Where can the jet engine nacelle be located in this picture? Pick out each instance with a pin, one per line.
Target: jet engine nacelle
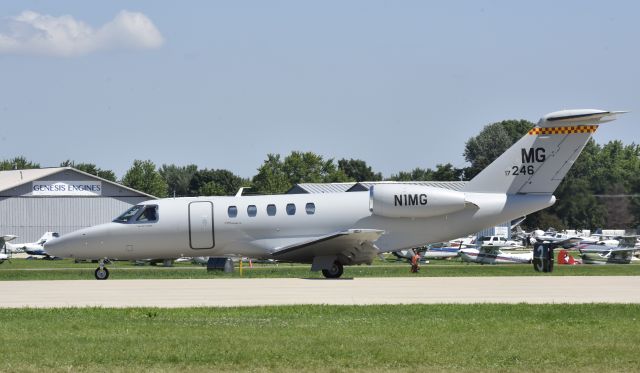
(413, 201)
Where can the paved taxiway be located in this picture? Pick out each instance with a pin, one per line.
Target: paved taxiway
(253, 292)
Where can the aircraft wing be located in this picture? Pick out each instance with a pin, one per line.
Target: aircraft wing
(623, 249)
(564, 242)
(353, 246)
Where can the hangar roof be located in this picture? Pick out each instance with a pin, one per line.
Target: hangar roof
(314, 188)
(365, 185)
(13, 178)
(451, 185)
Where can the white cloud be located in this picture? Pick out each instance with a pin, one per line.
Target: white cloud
(64, 36)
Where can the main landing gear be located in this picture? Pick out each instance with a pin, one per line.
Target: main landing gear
(335, 271)
(101, 273)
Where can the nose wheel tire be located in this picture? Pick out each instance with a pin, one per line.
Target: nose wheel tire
(101, 273)
(334, 272)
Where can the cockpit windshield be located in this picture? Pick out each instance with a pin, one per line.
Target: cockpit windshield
(128, 215)
(148, 215)
(139, 214)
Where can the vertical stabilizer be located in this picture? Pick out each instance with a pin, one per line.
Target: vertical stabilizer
(538, 162)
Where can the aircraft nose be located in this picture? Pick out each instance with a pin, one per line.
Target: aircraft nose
(78, 244)
(61, 246)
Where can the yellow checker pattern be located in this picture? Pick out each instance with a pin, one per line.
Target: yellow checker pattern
(562, 130)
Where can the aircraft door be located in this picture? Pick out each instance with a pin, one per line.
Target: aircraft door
(201, 225)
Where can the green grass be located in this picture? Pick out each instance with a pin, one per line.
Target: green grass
(490, 337)
(20, 269)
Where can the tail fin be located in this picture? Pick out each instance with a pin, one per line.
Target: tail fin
(47, 236)
(538, 162)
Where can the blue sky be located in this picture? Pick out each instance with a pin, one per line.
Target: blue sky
(220, 84)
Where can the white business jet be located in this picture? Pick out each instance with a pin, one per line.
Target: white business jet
(34, 249)
(336, 229)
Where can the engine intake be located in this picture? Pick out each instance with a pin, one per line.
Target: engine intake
(413, 201)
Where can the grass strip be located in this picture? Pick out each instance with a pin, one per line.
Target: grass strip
(67, 270)
(480, 337)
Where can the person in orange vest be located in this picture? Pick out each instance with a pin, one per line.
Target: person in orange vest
(415, 259)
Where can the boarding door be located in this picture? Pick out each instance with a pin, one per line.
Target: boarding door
(201, 225)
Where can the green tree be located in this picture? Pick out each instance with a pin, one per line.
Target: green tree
(90, 168)
(493, 140)
(635, 204)
(308, 167)
(215, 183)
(358, 170)
(417, 174)
(271, 178)
(617, 179)
(144, 177)
(543, 220)
(577, 206)
(178, 178)
(17, 163)
(446, 172)
(211, 188)
(618, 207)
(278, 176)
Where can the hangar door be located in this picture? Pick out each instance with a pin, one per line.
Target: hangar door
(201, 225)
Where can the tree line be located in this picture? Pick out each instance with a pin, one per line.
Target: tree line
(602, 189)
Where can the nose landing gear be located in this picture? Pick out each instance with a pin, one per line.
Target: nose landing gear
(101, 273)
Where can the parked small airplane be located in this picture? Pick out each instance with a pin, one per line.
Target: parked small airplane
(34, 248)
(598, 238)
(460, 242)
(565, 240)
(430, 252)
(609, 254)
(498, 241)
(4, 252)
(494, 255)
(331, 230)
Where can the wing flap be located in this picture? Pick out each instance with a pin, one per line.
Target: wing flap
(353, 246)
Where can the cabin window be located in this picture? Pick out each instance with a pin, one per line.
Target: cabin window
(310, 208)
(291, 209)
(252, 210)
(232, 211)
(148, 215)
(271, 210)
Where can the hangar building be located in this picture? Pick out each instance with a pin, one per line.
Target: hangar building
(60, 199)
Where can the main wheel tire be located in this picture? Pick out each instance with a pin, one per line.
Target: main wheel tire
(101, 273)
(335, 271)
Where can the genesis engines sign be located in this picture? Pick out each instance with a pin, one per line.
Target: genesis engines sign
(66, 188)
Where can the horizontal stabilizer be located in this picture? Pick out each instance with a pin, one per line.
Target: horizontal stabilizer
(578, 117)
